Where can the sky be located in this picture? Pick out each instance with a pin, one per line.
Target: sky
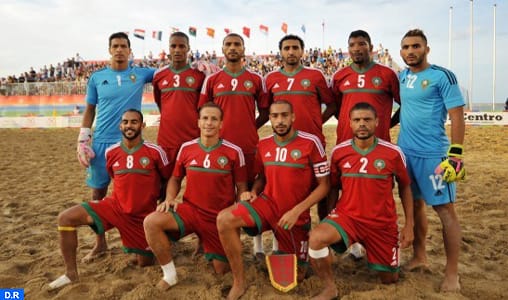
(42, 32)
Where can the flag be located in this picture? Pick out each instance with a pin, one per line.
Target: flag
(192, 31)
(210, 32)
(304, 30)
(246, 31)
(139, 33)
(284, 28)
(174, 29)
(227, 30)
(157, 34)
(263, 29)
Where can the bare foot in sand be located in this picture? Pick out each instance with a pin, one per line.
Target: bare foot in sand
(94, 254)
(163, 285)
(330, 292)
(415, 265)
(450, 285)
(235, 293)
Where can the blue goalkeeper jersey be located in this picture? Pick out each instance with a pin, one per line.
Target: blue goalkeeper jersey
(113, 92)
(426, 97)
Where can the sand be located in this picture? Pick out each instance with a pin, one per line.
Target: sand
(41, 177)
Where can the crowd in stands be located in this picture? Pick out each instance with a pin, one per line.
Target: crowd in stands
(70, 77)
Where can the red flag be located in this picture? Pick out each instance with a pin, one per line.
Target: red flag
(263, 29)
(246, 32)
(227, 30)
(284, 28)
(139, 33)
(210, 32)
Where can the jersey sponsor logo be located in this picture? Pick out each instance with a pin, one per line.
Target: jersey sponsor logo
(296, 154)
(116, 164)
(305, 83)
(220, 86)
(248, 84)
(347, 83)
(190, 80)
(379, 164)
(165, 82)
(268, 154)
(222, 161)
(193, 162)
(376, 81)
(425, 83)
(276, 86)
(347, 165)
(105, 82)
(132, 77)
(144, 161)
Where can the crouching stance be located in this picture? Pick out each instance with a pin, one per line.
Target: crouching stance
(214, 168)
(136, 168)
(365, 167)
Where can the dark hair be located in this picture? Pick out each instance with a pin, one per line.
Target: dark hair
(180, 34)
(363, 106)
(211, 105)
(119, 35)
(286, 102)
(135, 111)
(360, 33)
(233, 35)
(415, 33)
(291, 37)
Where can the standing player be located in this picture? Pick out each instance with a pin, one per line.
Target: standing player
(364, 81)
(289, 164)
(176, 90)
(112, 90)
(429, 93)
(366, 212)
(305, 88)
(214, 168)
(137, 168)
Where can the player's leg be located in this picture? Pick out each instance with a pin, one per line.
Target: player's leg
(157, 225)
(229, 221)
(320, 238)
(68, 220)
(451, 237)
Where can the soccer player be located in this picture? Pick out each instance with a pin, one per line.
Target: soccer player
(429, 93)
(238, 91)
(213, 168)
(288, 165)
(137, 168)
(305, 88)
(365, 212)
(364, 81)
(176, 89)
(113, 90)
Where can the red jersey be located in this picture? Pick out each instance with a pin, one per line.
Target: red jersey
(137, 175)
(291, 168)
(237, 95)
(367, 180)
(211, 174)
(177, 94)
(306, 89)
(378, 86)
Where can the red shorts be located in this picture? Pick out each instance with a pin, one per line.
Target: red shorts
(190, 219)
(381, 244)
(107, 215)
(262, 215)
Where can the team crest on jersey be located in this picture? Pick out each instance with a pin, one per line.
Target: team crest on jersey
(222, 161)
(132, 77)
(248, 84)
(379, 164)
(190, 80)
(305, 83)
(296, 154)
(376, 81)
(144, 161)
(425, 83)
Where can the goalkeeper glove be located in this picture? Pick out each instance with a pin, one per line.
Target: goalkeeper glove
(84, 151)
(452, 169)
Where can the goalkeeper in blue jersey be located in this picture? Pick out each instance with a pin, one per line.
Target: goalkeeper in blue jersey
(110, 92)
(428, 94)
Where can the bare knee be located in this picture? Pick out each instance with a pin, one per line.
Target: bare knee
(153, 221)
(224, 220)
(318, 238)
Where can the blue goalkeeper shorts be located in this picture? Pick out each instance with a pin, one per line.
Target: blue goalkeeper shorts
(425, 184)
(97, 176)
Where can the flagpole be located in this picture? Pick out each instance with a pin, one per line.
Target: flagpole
(471, 59)
(494, 62)
(450, 38)
(323, 37)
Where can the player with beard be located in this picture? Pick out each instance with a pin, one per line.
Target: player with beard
(136, 168)
(288, 165)
(366, 211)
